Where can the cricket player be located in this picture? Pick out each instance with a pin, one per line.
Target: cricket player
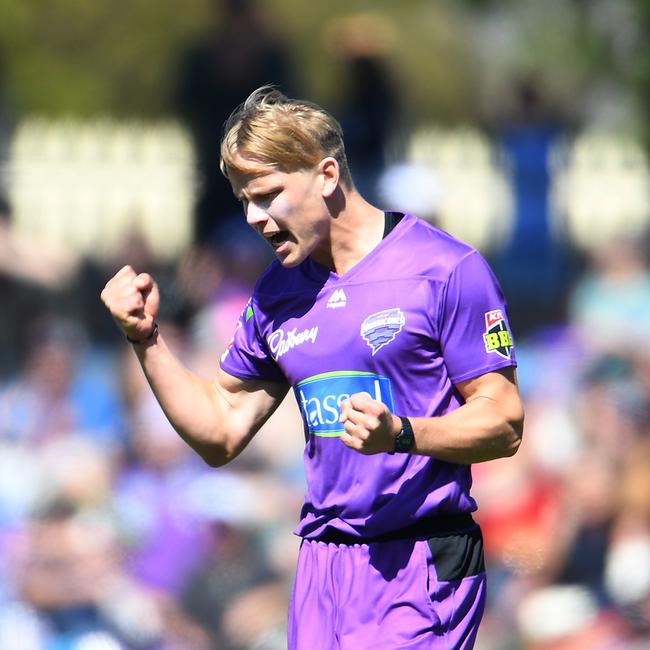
(394, 337)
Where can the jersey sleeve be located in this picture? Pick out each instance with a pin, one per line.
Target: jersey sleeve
(475, 335)
(247, 355)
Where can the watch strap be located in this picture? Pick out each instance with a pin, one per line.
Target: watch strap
(405, 439)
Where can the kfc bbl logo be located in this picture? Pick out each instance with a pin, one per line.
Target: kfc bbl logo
(497, 337)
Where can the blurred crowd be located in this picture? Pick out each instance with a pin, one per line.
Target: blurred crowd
(113, 533)
(115, 536)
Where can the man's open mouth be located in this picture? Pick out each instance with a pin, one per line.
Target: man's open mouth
(278, 238)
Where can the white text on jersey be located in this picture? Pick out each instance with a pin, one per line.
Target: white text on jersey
(280, 343)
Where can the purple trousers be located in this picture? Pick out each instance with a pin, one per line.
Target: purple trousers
(388, 595)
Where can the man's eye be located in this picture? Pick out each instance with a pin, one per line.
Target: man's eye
(269, 196)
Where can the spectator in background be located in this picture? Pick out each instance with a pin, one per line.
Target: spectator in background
(33, 274)
(62, 567)
(59, 390)
(610, 304)
(239, 53)
(369, 107)
(235, 573)
(533, 257)
(5, 129)
(166, 539)
(627, 568)
(68, 573)
(34, 278)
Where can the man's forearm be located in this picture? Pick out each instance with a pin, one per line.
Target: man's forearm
(192, 404)
(480, 430)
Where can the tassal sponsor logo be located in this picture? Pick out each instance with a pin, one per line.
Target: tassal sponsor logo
(280, 342)
(320, 397)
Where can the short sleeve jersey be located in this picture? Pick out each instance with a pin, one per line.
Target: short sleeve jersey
(420, 313)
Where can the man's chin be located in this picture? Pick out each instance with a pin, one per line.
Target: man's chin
(290, 254)
(288, 261)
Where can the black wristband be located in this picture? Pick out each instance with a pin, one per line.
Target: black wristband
(404, 440)
(151, 337)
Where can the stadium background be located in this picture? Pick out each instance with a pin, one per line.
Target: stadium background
(519, 126)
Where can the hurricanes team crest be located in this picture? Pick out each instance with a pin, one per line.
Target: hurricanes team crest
(497, 337)
(381, 328)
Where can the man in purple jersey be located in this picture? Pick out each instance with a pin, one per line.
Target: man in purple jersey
(395, 340)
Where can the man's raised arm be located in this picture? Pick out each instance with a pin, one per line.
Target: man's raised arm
(216, 418)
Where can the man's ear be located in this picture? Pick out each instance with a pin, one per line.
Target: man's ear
(328, 169)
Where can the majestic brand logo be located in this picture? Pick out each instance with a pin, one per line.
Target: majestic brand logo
(381, 328)
(337, 299)
(280, 342)
(497, 338)
(320, 397)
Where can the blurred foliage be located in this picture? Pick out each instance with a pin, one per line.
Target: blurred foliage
(426, 50)
(642, 68)
(79, 57)
(454, 61)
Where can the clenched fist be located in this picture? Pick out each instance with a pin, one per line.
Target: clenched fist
(370, 428)
(133, 300)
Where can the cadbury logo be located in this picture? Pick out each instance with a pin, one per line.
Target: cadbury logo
(281, 342)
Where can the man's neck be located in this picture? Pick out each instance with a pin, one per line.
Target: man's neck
(355, 231)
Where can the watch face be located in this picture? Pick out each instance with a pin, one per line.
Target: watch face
(404, 443)
(405, 439)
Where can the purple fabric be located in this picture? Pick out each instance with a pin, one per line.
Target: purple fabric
(421, 312)
(383, 596)
(171, 541)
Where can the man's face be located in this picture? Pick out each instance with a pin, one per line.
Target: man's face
(288, 209)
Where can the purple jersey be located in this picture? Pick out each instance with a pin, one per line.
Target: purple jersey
(421, 312)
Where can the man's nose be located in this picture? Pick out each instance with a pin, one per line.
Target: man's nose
(255, 216)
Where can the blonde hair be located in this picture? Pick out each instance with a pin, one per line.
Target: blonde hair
(282, 133)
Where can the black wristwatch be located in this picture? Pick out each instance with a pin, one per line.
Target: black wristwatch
(404, 440)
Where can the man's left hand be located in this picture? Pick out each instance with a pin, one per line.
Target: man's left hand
(370, 428)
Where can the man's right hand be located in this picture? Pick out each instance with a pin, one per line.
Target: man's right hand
(133, 300)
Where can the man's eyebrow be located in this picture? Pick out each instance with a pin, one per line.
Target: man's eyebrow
(240, 194)
(273, 188)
